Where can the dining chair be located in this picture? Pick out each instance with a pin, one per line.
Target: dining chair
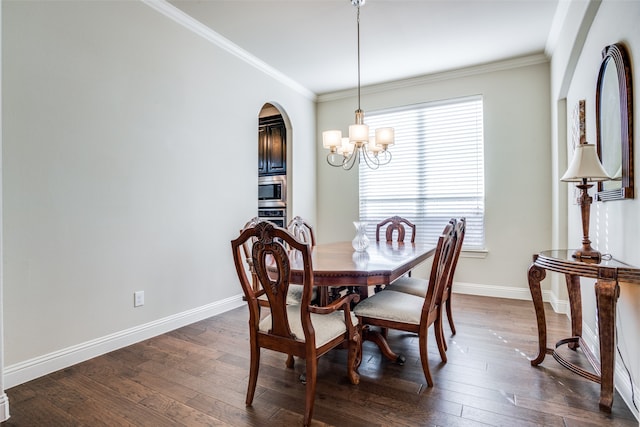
(401, 311)
(300, 330)
(303, 231)
(418, 287)
(396, 225)
(294, 296)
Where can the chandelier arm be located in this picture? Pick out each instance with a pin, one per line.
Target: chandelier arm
(386, 154)
(349, 162)
(330, 163)
(371, 160)
(331, 156)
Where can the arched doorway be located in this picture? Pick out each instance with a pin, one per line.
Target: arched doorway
(272, 165)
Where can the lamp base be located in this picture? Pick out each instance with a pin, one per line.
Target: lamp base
(587, 255)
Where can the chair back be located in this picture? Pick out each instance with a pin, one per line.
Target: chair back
(397, 224)
(440, 269)
(302, 230)
(461, 227)
(246, 250)
(270, 248)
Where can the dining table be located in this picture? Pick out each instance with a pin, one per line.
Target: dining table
(337, 264)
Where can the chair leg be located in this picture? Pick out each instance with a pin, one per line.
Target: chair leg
(254, 366)
(439, 332)
(424, 359)
(450, 316)
(354, 356)
(290, 362)
(312, 371)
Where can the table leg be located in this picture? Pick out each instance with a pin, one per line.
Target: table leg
(377, 338)
(607, 292)
(536, 275)
(575, 304)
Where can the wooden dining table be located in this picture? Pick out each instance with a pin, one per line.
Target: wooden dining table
(337, 264)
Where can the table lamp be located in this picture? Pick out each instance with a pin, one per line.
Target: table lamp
(585, 168)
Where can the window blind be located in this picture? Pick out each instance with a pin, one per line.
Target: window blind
(437, 169)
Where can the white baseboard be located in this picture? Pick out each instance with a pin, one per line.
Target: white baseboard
(4, 407)
(508, 292)
(28, 370)
(620, 376)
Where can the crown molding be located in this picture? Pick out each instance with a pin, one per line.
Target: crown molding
(507, 64)
(188, 22)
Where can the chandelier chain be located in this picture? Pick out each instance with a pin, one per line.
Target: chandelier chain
(358, 28)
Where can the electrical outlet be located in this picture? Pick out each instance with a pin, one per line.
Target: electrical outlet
(138, 298)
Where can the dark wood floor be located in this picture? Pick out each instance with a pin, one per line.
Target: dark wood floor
(197, 375)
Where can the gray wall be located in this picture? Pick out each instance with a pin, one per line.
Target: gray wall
(130, 162)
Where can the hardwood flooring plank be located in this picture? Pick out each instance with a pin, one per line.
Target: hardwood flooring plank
(575, 413)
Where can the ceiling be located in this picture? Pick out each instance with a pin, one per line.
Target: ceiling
(314, 42)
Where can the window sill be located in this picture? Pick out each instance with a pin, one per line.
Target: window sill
(474, 253)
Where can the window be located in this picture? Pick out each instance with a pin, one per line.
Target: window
(437, 169)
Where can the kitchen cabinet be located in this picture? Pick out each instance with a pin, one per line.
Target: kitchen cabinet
(272, 146)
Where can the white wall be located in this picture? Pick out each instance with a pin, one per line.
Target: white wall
(130, 162)
(614, 225)
(517, 168)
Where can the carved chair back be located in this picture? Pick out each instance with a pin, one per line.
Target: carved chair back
(302, 230)
(396, 225)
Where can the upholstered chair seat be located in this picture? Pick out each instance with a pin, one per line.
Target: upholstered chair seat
(327, 326)
(392, 306)
(410, 285)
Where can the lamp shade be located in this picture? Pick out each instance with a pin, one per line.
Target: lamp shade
(385, 136)
(359, 133)
(346, 147)
(585, 165)
(331, 138)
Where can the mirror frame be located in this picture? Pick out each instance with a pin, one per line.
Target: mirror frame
(616, 55)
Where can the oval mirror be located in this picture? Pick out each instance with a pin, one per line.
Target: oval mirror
(614, 123)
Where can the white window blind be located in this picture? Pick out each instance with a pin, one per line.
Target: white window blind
(436, 173)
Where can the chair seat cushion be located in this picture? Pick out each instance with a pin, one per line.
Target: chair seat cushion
(393, 306)
(410, 285)
(326, 326)
(294, 296)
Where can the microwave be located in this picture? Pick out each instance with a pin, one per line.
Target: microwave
(272, 191)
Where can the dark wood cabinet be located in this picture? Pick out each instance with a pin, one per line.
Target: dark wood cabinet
(272, 146)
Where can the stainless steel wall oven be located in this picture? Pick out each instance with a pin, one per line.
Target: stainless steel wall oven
(272, 191)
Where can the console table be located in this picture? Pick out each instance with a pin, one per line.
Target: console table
(607, 274)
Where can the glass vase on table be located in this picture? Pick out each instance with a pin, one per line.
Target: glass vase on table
(360, 242)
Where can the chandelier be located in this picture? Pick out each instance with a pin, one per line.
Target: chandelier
(359, 146)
